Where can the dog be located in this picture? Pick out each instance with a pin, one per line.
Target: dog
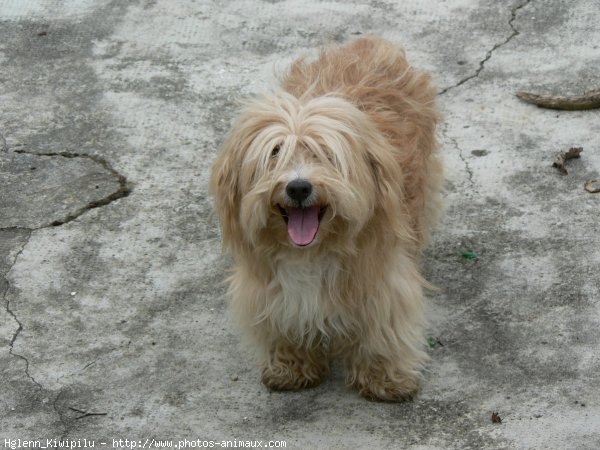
(326, 189)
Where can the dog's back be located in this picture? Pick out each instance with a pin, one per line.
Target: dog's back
(374, 75)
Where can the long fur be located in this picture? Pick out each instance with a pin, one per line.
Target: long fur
(358, 123)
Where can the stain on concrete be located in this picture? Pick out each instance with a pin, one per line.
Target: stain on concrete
(54, 90)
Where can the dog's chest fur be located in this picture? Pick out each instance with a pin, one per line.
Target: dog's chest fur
(303, 299)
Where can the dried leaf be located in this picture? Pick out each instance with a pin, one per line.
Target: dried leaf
(559, 162)
(592, 186)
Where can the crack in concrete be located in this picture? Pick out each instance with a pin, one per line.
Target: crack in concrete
(15, 335)
(488, 55)
(64, 422)
(462, 157)
(465, 162)
(123, 191)
(13, 228)
(18, 331)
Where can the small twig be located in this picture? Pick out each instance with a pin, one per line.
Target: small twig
(77, 410)
(90, 414)
(589, 100)
(85, 413)
(561, 159)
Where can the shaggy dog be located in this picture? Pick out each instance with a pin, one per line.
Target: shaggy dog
(326, 189)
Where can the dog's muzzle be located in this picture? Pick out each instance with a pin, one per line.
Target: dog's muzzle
(302, 220)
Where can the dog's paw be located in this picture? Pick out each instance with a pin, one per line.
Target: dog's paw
(285, 378)
(383, 389)
(290, 367)
(389, 392)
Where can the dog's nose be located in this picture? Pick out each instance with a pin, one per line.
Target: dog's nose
(299, 189)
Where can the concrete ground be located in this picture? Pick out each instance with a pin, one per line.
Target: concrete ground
(114, 324)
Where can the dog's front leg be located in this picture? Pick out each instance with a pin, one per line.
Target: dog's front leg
(291, 366)
(286, 364)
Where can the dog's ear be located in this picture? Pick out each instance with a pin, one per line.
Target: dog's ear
(227, 182)
(388, 178)
(225, 189)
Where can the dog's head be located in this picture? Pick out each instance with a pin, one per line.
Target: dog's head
(303, 174)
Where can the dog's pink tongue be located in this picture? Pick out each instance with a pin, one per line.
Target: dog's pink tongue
(303, 224)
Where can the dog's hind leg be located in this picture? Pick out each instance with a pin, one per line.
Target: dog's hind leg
(385, 360)
(380, 377)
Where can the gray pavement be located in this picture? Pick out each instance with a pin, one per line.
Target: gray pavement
(113, 321)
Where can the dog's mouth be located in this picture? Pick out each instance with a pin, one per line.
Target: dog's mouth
(302, 223)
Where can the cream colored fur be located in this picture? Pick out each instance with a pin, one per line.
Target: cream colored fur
(358, 123)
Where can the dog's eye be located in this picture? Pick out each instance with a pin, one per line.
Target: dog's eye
(275, 150)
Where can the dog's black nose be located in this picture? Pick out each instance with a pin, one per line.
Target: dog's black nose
(299, 189)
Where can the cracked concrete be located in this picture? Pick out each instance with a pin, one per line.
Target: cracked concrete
(113, 295)
(462, 157)
(45, 191)
(15, 335)
(489, 53)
